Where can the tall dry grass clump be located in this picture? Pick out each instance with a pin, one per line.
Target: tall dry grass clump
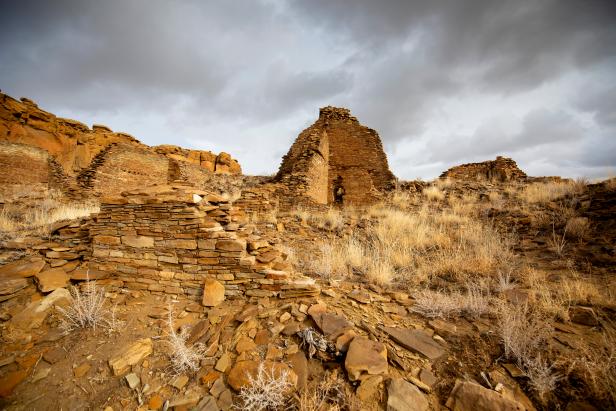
(545, 192)
(434, 193)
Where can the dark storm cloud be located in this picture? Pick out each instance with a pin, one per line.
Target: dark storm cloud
(249, 75)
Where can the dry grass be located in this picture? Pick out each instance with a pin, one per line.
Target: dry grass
(434, 193)
(331, 262)
(597, 367)
(380, 272)
(326, 394)
(558, 242)
(550, 191)
(524, 335)
(17, 219)
(332, 219)
(441, 304)
(578, 227)
(415, 247)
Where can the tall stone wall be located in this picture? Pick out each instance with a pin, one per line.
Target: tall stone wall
(25, 169)
(170, 239)
(336, 152)
(123, 167)
(501, 169)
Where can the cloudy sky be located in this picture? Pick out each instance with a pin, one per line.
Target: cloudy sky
(443, 82)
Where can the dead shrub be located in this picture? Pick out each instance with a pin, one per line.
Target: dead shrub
(184, 358)
(268, 390)
(88, 309)
(325, 394)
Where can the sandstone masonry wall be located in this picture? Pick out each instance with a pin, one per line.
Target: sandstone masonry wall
(170, 239)
(501, 169)
(79, 150)
(336, 150)
(26, 169)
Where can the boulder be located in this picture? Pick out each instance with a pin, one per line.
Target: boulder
(213, 293)
(583, 315)
(365, 357)
(468, 396)
(404, 396)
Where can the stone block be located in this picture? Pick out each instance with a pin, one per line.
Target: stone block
(138, 241)
(231, 245)
(182, 243)
(106, 239)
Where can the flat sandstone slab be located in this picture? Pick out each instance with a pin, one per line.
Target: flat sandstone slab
(130, 356)
(417, 341)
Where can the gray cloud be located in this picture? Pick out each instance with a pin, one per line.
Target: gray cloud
(247, 76)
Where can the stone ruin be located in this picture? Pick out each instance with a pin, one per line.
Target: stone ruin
(502, 169)
(80, 161)
(171, 239)
(336, 161)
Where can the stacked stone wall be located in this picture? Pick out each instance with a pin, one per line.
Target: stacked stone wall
(171, 240)
(125, 167)
(501, 169)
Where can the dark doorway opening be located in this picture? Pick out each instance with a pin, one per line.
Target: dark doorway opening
(338, 190)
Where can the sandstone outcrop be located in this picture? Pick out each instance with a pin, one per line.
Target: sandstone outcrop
(37, 147)
(501, 169)
(336, 160)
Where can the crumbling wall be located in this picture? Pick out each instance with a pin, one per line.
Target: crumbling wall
(170, 239)
(27, 170)
(74, 145)
(336, 152)
(222, 163)
(501, 169)
(122, 167)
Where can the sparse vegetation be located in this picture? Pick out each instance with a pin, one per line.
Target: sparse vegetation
(87, 309)
(36, 217)
(325, 394)
(434, 193)
(268, 390)
(184, 358)
(549, 191)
